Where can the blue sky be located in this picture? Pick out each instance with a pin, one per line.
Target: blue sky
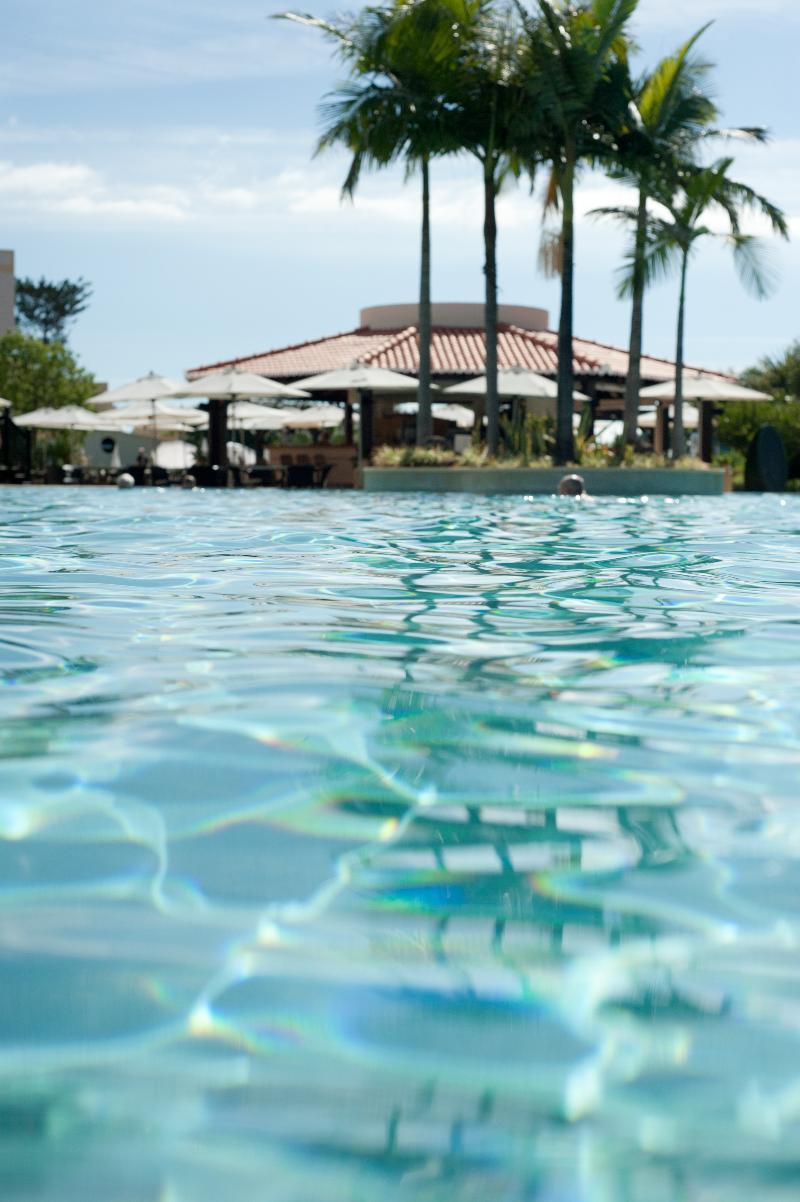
(163, 151)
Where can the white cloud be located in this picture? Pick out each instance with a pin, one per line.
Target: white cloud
(270, 187)
(76, 190)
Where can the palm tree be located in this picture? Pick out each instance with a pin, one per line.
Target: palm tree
(579, 94)
(671, 119)
(391, 110)
(485, 96)
(691, 201)
(670, 112)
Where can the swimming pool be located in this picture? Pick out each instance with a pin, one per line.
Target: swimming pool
(373, 848)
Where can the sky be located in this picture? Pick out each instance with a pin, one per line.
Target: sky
(163, 150)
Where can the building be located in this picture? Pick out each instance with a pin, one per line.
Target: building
(387, 336)
(7, 291)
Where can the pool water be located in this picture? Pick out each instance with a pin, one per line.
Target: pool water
(398, 849)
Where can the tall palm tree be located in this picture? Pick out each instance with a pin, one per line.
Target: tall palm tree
(672, 117)
(391, 110)
(670, 112)
(691, 201)
(580, 89)
(485, 97)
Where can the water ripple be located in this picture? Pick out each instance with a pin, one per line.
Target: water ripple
(414, 848)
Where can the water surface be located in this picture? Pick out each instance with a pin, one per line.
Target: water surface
(398, 849)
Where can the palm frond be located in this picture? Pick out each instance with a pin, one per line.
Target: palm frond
(754, 267)
(551, 253)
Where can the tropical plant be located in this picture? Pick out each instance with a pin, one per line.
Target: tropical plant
(779, 376)
(391, 110)
(579, 91)
(45, 308)
(34, 373)
(669, 115)
(488, 99)
(672, 116)
(692, 200)
(740, 421)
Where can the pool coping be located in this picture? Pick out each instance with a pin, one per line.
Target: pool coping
(542, 481)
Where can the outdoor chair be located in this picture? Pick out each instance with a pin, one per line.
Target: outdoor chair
(300, 475)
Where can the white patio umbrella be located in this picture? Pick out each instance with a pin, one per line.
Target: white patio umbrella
(245, 415)
(361, 378)
(233, 385)
(700, 388)
(313, 417)
(463, 417)
(68, 417)
(151, 387)
(513, 382)
(4, 404)
(691, 418)
(156, 412)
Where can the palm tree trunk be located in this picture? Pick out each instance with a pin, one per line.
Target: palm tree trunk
(633, 383)
(490, 309)
(565, 450)
(678, 436)
(424, 413)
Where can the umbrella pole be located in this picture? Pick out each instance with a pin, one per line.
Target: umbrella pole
(661, 436)
(154, 456)
(218, 433)
(706, 430)
(365, 429)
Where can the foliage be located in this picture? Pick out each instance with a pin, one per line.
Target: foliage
(740, 421)
(53, 448)
(45, 308)
(692, 201)
(529, 437)
(603, 457)
(414, 457)
(779, 376)
(35, 373)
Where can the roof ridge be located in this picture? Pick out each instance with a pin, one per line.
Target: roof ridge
(395, 337)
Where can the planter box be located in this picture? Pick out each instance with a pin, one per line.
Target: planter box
(543, 481)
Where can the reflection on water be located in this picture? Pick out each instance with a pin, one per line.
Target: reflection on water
(414, 850)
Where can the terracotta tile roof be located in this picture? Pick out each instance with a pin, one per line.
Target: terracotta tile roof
(454, 352)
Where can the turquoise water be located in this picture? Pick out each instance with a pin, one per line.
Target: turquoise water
(382, 849)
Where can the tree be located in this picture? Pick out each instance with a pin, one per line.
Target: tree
(580, 90)
(391, 109)
(496, 125)
(672, 117)
(45, 308)
(691, 200)
(34, 373)
(670, 114)
(779, 376)
(489, 102)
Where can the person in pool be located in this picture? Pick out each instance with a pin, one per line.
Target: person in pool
(572, 486)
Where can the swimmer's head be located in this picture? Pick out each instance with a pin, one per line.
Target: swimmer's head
(572, 486)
